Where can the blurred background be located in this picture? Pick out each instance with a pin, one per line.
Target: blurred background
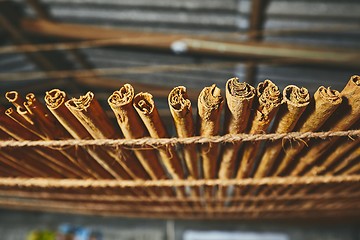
(98, 45)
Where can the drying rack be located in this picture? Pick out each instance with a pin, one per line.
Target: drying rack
(265, 198)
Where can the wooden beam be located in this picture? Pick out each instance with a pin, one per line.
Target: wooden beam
(40, 9)
(43, 13)
(19, 39)
(298, 54)
(114, 84)
(257, 18)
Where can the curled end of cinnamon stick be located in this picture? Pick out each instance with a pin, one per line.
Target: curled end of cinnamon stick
(9, 111)
(298, 97)
(269, 96)
(122, 97)
(240, 89)
(210, 97)
(20, 115)
(15, 98)
(30, 97)
(179, 101)
(82, 103)
(30, 100)
(330, 95)
(55, 98)
(12, 96)
(355, 79)
(21, 110)
(144, 103)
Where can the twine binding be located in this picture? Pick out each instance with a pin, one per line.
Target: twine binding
(85, 183)
(156, 142)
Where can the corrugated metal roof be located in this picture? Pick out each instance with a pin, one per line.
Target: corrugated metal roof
(318, 23)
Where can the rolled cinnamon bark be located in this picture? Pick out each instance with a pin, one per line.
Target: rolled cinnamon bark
(20, 160)
(181, 111)
(145, 107)
(17, 164)
(239, 99)
(43, 160)
(346, 115)
(351, 163)
(105, 163)
(91, 115)
(55, 102)
(121, 102)
(64, 163)
(15, 98)
(9, 169)
(267, 104)
(66, 158)
(52, 129)
(210, 104)
(323, 104)
(47, 123)
(341, 157)
(295, 101)
(18, 117)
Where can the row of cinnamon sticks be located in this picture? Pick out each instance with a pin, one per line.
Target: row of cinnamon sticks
(247, 110)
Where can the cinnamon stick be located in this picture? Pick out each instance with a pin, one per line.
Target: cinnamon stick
(351, 163)
(210, 104)
(53, 130)
(21, 160)
(17, 132)
(145, 107)
(91, 115)
(5, 171)
(323, 104)
(15, 98)
(239, 99)
(267, 104)
(18, 117)
(344, 155)
(13, 164)
(121, 102)
(47, 123)
(55, 102)
(295, 101)
(26, 118)
(181, 111)
(347, 115)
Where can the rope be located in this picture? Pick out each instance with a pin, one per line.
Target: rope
(86, 183)
(229, 138)
(111, 197)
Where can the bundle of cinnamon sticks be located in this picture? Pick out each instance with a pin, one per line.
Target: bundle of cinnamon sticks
(241, 109)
